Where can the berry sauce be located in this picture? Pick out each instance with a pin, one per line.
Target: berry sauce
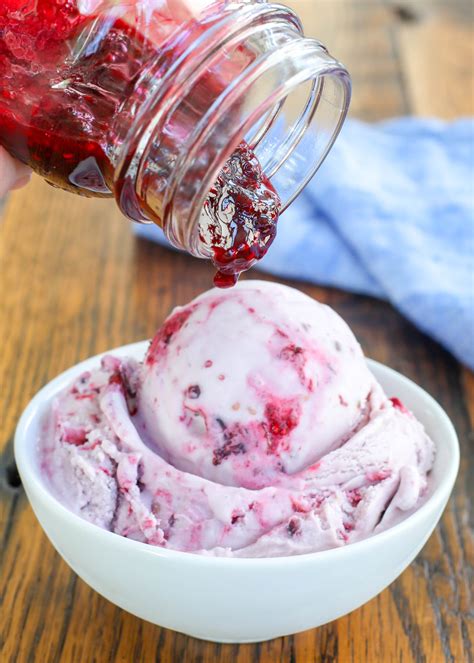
(61, 87)
(57, 101)
(239, 218)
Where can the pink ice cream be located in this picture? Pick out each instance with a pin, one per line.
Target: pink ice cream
(252, 428)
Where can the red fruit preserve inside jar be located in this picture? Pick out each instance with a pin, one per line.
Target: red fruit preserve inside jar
(205, 118)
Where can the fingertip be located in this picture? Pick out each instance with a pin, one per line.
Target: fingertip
(21, 181)
(13, 174)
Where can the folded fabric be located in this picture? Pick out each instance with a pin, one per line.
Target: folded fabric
(390, 214)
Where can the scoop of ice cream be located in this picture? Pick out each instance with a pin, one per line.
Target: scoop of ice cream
(247, 386)
(100, 466)
(253, 428)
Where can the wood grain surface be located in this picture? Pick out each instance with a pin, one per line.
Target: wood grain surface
(74, 282)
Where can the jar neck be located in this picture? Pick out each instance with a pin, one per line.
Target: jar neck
(245, 72)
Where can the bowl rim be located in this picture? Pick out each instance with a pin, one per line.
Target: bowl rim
(31, 477)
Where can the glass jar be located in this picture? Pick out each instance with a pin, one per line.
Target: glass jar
(207, 118)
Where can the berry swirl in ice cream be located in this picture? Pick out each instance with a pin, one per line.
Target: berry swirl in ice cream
(253, 428)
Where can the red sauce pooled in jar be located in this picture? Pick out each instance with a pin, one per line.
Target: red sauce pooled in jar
(58, 104)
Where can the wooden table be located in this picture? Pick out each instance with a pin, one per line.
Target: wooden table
(74, 282)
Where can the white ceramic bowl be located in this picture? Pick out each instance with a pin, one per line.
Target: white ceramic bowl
(237, 600)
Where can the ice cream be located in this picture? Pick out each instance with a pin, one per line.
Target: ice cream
(253, 427)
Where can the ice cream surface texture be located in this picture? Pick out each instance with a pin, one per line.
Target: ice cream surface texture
(252, 428)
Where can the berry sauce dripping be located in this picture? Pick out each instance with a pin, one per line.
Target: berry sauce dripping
(58, 102)
(240, 215)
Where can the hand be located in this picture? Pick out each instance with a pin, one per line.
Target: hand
(13, 174)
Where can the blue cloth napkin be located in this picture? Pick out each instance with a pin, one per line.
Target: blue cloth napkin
(390, 214)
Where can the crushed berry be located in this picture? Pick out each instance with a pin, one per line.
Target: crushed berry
(354, 497)
(298, 507)
(166, 332)
(194, 391)
(290, 352)
(120, 378)
(281, 422)
(396, 402)
(232, 446)
(75, 436)
(221, 423)
(91, 447)
(281, 419)
(296, 356)
(293, 527)
(229, 449)
(116, 378)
